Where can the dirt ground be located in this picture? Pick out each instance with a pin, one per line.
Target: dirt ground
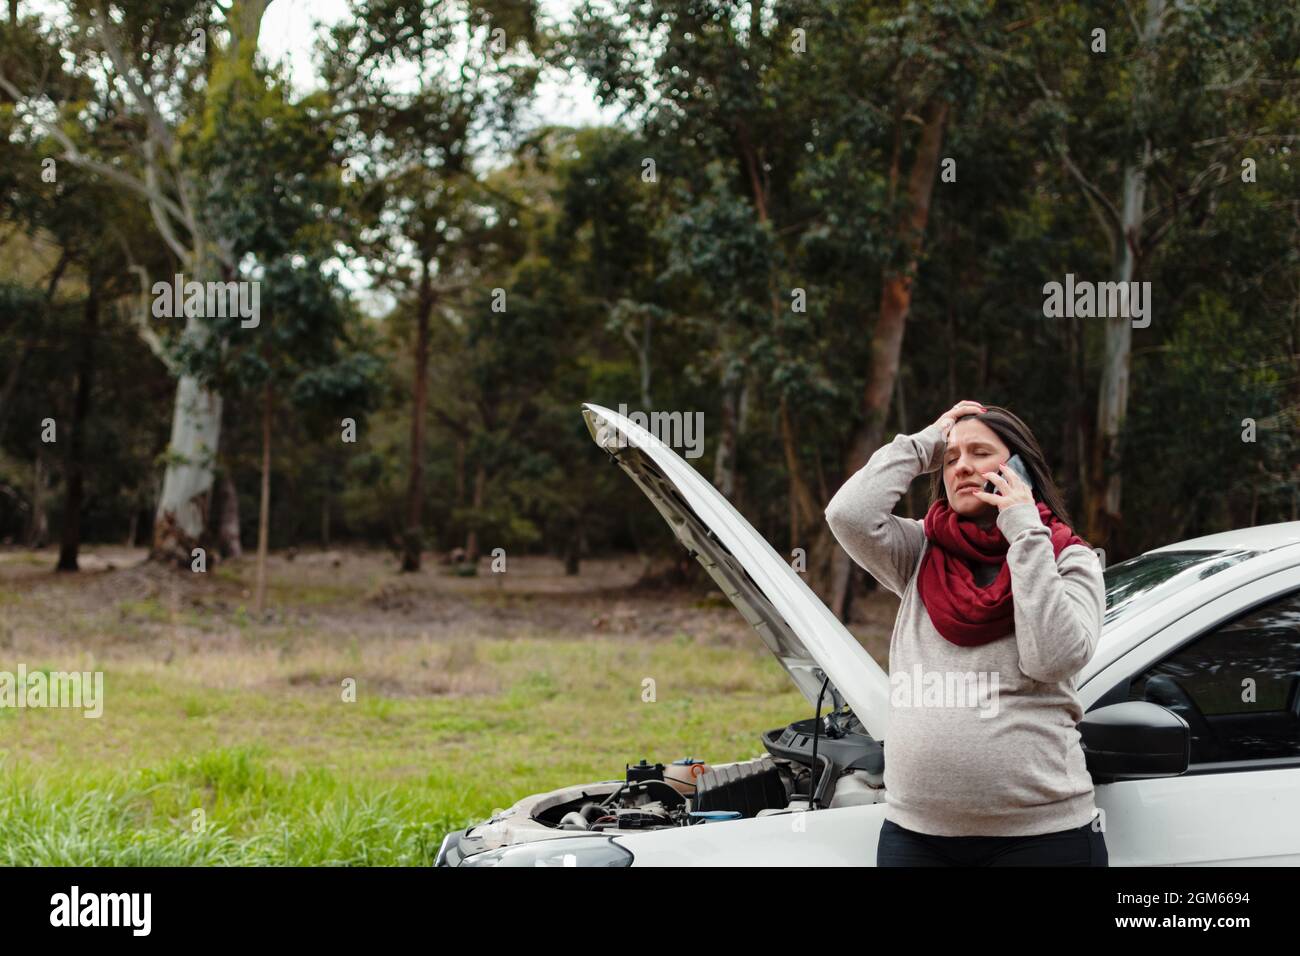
(121, 608)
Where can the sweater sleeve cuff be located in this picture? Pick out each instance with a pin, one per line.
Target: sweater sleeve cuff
(1018, 518)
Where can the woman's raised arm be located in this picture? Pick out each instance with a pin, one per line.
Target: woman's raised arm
(860, 514)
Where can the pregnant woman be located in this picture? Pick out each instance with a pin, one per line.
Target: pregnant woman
(999, 594)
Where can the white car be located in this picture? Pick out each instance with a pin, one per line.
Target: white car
(1191, 733)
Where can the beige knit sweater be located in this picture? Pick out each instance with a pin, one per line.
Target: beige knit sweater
(982, 740)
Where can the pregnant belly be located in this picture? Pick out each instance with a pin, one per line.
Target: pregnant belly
(952, 759)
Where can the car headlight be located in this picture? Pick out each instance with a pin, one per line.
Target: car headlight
(559, 851)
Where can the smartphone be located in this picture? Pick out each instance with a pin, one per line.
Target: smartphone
(1018, 466)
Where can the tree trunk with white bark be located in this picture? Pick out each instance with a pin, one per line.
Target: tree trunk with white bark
(187, 484)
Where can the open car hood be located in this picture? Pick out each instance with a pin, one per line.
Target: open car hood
(808, 640)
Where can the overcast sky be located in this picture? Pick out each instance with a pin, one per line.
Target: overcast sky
(288, 34)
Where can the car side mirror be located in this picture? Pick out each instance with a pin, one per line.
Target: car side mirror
(1133, 740)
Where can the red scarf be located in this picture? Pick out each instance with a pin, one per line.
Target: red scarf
(963, 612)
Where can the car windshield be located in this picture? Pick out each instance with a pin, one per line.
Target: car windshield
(1131, 583)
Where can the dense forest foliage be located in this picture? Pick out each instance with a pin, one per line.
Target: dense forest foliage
(817, 222)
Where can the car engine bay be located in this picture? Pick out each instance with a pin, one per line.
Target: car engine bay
(689, 792)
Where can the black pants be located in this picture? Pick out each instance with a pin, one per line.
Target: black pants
(1078, 846)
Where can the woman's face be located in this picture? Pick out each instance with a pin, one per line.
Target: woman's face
(973, 448)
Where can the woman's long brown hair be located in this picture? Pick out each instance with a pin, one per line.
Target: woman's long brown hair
(1016, 435)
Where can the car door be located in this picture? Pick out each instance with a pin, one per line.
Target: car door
(1231, 669)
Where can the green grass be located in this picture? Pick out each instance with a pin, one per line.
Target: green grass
(285, 772)
(222, 807)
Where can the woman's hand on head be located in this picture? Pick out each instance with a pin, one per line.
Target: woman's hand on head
(1013, 488)
(949, 418)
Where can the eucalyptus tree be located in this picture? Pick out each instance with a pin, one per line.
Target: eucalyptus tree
(84, 219)
(166, 73)
(1152, 111)
(421, 91)
(825, 122)
(303, 349)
